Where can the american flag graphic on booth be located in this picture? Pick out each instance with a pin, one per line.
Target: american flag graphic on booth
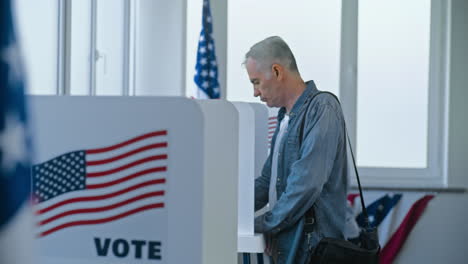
(272, 123)
(101, 185)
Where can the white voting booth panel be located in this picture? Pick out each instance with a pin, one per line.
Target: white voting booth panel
(246, 169)
(252, 154)
(134, 180)
(261, 138)
(220, 196)
(272, 124)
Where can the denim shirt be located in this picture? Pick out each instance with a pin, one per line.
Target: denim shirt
(312, 171)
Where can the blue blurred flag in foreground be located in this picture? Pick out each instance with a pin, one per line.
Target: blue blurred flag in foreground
(206, 76)
(15, 213)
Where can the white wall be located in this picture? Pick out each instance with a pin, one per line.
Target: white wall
(160, 58)
(219, 11)
(440, 234)
(194, 21)
(458, 108)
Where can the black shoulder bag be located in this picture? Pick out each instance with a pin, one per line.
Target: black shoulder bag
(364, 249)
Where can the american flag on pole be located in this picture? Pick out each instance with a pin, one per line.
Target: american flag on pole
(206, 76)
(394, 215)
(15, 212)
(101, 185)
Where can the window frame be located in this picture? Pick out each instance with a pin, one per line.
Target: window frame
(64, 42)
(434, 175)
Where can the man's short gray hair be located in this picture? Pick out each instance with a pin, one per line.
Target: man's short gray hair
(272, 50)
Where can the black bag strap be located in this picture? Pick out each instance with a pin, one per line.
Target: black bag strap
(301, 133)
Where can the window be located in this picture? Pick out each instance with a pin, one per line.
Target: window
(111, 53)
(400, 90)
(77, 47)
(393, 83)
(80, 50)
(38, 34)
(311, 28)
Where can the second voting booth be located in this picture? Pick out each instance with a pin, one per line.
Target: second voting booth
(145, 179)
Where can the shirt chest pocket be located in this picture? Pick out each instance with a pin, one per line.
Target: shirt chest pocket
(292, 146)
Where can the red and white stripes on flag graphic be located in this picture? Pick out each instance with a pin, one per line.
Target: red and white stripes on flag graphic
(272, 123)
(121, 180)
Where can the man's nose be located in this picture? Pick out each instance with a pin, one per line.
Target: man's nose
(256, 92)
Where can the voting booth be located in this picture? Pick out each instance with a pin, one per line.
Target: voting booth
(135, 180)
(253, 121)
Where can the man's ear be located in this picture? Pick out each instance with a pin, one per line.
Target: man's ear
(277, 71)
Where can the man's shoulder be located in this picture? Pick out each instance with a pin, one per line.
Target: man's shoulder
(325, 100)
(326, 97)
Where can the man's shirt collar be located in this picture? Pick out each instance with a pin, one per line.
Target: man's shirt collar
(308, 92)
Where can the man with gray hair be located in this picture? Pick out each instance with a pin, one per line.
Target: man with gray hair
(304, 180)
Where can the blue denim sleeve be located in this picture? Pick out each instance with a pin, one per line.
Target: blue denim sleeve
(262, 184)
(323, 132)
